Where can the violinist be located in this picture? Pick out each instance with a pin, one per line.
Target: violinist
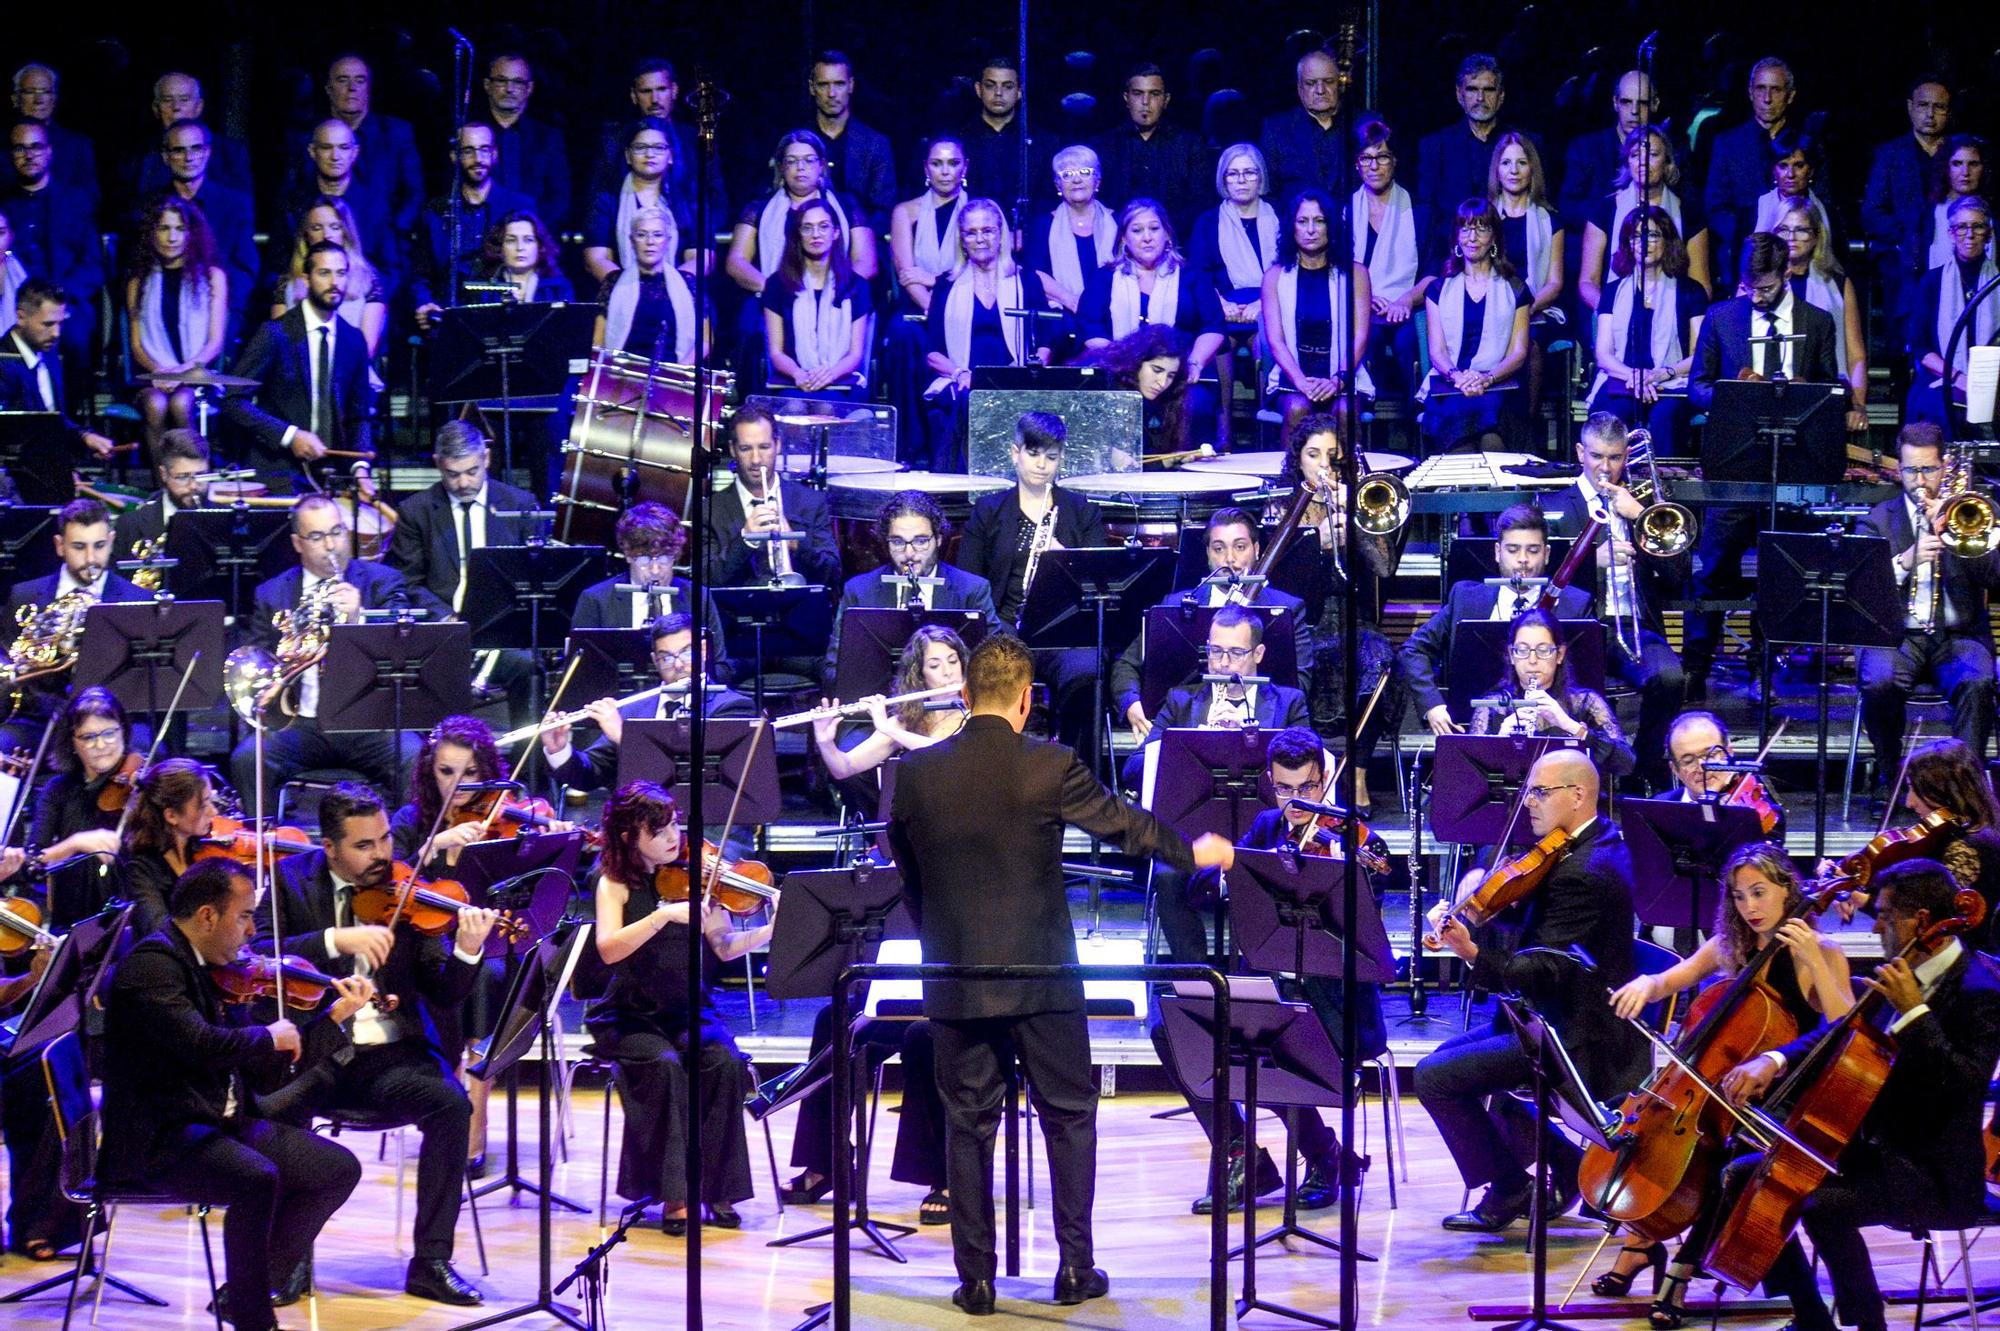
(78, 811)
(179, 457)
(1295, 763)
(175, 809)
(1762, 904)
(1944, 776)
(180, 1113)
(405, 1056)
(642, 1019)
(1536, 696)
(1698, 738)
(1520, 550)
(1584, 900)
(1917, 1160)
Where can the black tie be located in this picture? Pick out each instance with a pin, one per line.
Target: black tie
(1774, 353)
(464, 532)
(323, 392)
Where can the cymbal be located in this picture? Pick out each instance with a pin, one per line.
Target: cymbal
(812, 420)
(198, 379)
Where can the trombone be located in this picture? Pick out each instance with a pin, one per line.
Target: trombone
(1663, 530)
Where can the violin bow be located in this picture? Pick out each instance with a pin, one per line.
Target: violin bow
(1902, 776)
(159, 737)
(423, 855)
(712, 873)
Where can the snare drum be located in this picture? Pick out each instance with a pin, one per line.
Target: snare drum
(1151, 507)
(856, 500)
(630, 441)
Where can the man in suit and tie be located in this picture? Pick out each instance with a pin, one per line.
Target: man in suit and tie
(1235, 648)
(31, 370)
(1898, 195)
(180, 1113)
(651, 537)
(1520, 550)
(327, 576)
(744, 509)
(913, 528)
(976, 829)
(1723, 351)
(404, 1060)
(312, 368)
(1466, 1082)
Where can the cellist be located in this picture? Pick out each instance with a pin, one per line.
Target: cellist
(1586, 899)
(1918, 1159)
(1761, 903)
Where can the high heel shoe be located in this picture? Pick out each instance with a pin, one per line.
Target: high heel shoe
(1616, 1284)
(1667, 1312)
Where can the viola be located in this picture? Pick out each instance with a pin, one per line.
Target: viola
(1321, 835)
(231, 839)
(251, 977)
(1749, 793)
(742, 887)
(1920, 839)
(117, 789)
(1512, 882)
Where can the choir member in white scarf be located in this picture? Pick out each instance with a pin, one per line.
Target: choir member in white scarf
(817, 313)
(648, 308)
(923, 232)
(982, 318)
(1150, 283)
(365, 303)
(1794, 167)
(176, 307)
(1478, 315)
(1233, 244)
(1957, 172)
(649, 160)
(1649, 158)
(1940, 302)
(521, 253)
(1080, 235)
(1311, 305)
(1818, 279)
(1646, 330)
(1389, 235)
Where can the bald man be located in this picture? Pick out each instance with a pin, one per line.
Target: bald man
(1585, 902)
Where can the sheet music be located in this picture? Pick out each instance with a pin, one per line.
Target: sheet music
(1982, 377)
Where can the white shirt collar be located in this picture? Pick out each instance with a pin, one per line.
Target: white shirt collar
(1932, 968)
(29, 355)
(478, 500)
(314, 319)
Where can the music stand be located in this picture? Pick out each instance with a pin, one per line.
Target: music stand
(1778, 431)
(658, 751)
(134, 647)
(26, 550)
(526, 594)
(221, 554)
(526, 1016)
(1678, 850)
(77, 967)
(528, 877)
(1081, 596)
(393, 678)
(1478, 659)
(38, 450)
(1176, 646)
(1475, 779)
(506, 351)
(1210, 781)
(1826, 588)
(872, 638)
(785, 621)
(611, 663)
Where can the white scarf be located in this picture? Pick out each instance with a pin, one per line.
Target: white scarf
(1496, 329)
(1625, 200)
(932, 255)
(1772, 205)
(1668, 349)
(153, 337)
(822, 327)
(771, 226)
(1245, 268)
(12, 274)
(1393, 270)
(628, 203)
(1063, 266)
(1951, 304)
(1160, 309)
(623, 304)
(1342, 301)
(1829, 295)
(1534, 265)
(958, 304)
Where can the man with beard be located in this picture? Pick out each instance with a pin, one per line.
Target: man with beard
(453, 247)
(312, 368)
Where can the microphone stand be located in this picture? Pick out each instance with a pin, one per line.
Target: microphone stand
(461, 96)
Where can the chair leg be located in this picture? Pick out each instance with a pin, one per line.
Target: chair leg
(402, 1163)
(478, 1229)
(604, 1152)
(1926, 1263)
(208, 1257)
(1971, 1289)
(1386, 1082)
(104, 1270)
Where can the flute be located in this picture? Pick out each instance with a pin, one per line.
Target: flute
(859, 708)
(567, 718)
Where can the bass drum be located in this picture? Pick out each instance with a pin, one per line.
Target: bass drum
(630, 441)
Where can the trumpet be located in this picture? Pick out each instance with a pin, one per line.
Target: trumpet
(782, 572)
(858, 708)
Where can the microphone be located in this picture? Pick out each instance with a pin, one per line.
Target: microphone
(460, 39)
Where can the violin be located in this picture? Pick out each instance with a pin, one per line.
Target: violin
(1747, 792)
(513, 816)
(1919, 840)
(117, 789)
(1512, 882)
(231, 839)
(430, 906)
(21, 927)
(742, 887)
(1321, 835)
(251, 977)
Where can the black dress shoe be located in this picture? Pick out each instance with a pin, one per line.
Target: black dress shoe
(974, 1298)
(1494, 1212)
(796, 1193)
(1074, 1284)
(295, 1286)
(673, 1226)
(1268, 1180)
(724, 1216)
(434, 1279)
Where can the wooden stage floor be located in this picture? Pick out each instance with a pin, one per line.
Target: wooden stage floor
(1148, 1172)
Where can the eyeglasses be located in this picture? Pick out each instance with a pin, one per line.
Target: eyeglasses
(1242, 173)
(809, 159)
(1304, 790)
(1691, 762)
(323, 537)
(480, 152)
(1077, 173)
(1233, 655)
(1971, 229)
(98, 738)
(648, 149)
(685, 656)
(1921, 472)
(1377, 159)
(1540, 651)
(1539, 794)
(919, 544)
(1789, 231)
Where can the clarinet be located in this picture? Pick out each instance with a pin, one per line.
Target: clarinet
(1045, 532)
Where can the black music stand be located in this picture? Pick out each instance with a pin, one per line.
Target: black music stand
(785, 621)
(506, 351)
(26, 548)
(1678, 850)
(1475, 780)
(1285, 1047)
(529, 877)
(516, 594)
(1081, 597)
(394, 677)
(134, 648)
(1477, 660)
(38, 450)
(872, 638)
(77, 967)
(528, 1016)
(221, 554)
(658, 751)
(1177, 642)
(1211, 781)
(612, 663)
(1826, 588)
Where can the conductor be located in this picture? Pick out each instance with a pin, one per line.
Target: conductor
(977, 831)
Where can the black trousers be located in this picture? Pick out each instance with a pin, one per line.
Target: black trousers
(1656, 674)
(973, 1058)
(37, 1210)
(303, 747)
(919, 1156)
(1960, 664)
(1491, 1144)
(408, 1081)
(652, 1079)
(1071, 676)
(280, 1185)
(1179, 904)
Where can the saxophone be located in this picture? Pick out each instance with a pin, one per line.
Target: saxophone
(1045, 533)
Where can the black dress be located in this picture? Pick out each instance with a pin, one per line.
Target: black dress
(68, 805)
(642, 1023)
(407, 830)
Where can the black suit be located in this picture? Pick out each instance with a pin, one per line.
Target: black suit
(179, 1115)
(1125, 671)
(735, 563)
(412, 1077)
(1278, 708)
(1586, 901)
(1427, 653)
(144, 521)
(961, 591)
(603, 606)
(279, 358)
(425, 547)
(977, 830)
(1958, 659)
(21, 391)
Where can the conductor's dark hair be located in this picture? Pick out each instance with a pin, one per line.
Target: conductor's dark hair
(1296, 747)
(1040, 431)
(1000, 668)
(344, 803)
(1916, 885)
(208, 883)
(1236, 617)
